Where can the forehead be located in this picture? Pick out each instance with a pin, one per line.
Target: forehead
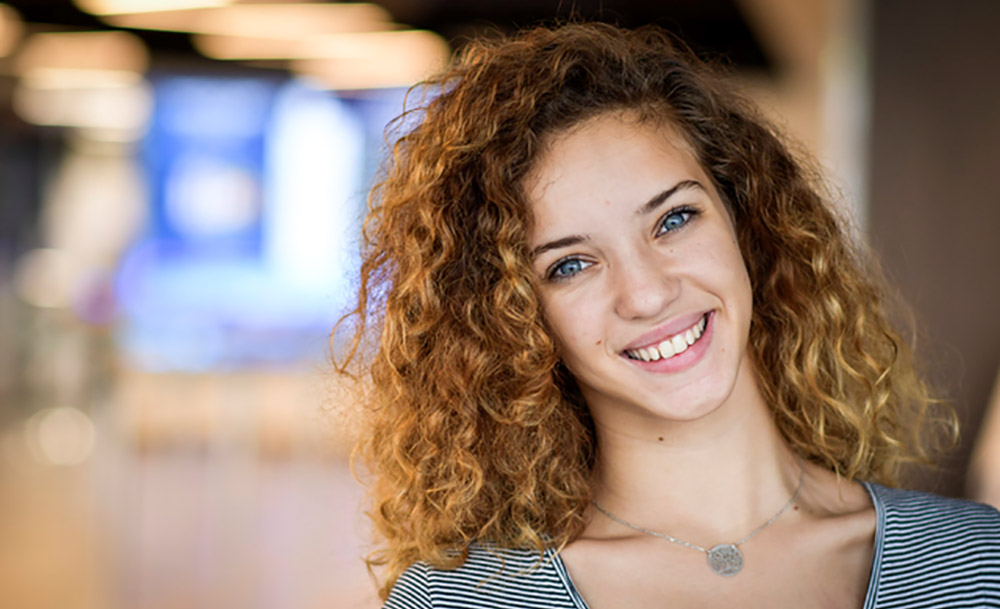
(612, 158)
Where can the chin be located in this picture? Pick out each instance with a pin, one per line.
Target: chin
(683, 410)
(684, 405)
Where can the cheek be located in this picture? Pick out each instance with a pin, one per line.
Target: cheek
(728, 256)
(742, 295)
(719, 264)
(740, 275)
(741, 271)
(739, 282)
(573, 326)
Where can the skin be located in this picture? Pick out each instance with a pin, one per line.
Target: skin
(984, 466)
(631, 242)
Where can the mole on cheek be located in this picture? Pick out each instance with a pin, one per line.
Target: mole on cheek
(600, 340)
(660, 439)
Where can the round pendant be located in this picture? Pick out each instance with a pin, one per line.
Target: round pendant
(725, 559)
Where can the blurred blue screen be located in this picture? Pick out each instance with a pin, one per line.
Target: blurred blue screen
(257, 188)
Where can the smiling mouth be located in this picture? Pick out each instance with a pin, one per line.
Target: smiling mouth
(672, 345)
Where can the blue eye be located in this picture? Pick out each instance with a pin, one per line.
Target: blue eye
(564, 269)
(675, 219)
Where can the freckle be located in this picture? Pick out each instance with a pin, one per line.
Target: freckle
(661, 439)
(795, 507)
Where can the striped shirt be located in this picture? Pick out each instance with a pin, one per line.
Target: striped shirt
(930, 552)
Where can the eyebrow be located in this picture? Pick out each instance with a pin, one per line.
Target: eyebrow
(646, 208)
(551, 245)
(658, 200)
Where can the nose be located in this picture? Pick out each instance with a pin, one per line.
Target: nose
(644, 286)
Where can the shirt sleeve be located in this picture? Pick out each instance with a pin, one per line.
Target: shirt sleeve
(411, 590)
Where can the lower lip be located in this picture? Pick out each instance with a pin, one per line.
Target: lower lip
(691, 356)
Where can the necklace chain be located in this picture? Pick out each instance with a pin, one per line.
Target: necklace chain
(687, 544)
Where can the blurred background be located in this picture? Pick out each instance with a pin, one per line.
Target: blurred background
(181, 185)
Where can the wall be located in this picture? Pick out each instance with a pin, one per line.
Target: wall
(935, 194)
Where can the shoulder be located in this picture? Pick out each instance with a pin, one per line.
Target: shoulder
(908, 511)
(491, 577)
(929, 546)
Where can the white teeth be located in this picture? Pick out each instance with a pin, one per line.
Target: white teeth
(672, 346)
(680, 345)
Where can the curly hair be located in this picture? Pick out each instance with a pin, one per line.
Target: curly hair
(475, 432)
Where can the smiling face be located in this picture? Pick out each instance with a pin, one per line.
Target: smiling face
(642, 280)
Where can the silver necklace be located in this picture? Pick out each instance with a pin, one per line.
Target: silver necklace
(725, 558)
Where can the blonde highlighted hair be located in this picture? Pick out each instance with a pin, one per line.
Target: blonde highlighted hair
(474, 432)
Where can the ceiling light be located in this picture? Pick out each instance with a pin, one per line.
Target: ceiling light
(120, 112)
(388, 45)
(88, 80)
(376, 60)
(262, 20)
(114, 7)
(88, 51)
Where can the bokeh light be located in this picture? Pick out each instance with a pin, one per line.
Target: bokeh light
(60, 436)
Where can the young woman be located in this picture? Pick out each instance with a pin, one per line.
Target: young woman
(626, 354)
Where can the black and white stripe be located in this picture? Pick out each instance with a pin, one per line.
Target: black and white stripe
(930, 551)
(934, 552)
(491, 578)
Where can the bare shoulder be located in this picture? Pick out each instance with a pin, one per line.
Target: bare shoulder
(838, 521)
(838, 518)
(842, 506)
(826, 495)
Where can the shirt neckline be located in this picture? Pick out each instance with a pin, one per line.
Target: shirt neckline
(873, 579)
(876, 573)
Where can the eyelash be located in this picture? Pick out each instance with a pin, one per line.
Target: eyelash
(686, 211)
(552, 275)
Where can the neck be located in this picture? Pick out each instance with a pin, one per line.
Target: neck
(715, 478)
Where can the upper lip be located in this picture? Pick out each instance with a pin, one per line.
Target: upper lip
(661, 333)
